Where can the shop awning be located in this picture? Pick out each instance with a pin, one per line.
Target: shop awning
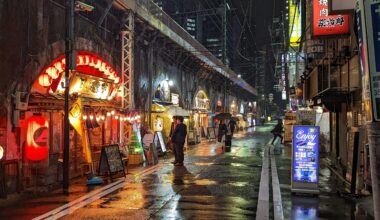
(177, 111)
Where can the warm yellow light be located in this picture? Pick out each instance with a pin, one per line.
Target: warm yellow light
(113, 112)
(108, 114)
(84, 117)
(91, 117)
(116, 117)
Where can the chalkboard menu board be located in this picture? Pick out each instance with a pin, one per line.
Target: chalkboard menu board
(211, 133)
(111, 162)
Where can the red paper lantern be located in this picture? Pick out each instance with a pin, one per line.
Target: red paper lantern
(45, 80)
(37, 138)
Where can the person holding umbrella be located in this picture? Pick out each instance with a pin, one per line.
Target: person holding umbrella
(222, 130)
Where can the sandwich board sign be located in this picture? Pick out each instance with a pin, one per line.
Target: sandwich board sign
(305, 159)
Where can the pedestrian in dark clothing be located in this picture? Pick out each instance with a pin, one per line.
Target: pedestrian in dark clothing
(277, 131)
(222, 130)
(232, 126)
(179, 139)
(172, 144)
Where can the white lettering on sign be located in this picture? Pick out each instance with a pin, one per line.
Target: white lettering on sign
(303, 137)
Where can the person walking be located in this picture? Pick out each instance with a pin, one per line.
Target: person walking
(172, 144)
(232, 126)
(222, 130)
(277, 131)
(179, 138)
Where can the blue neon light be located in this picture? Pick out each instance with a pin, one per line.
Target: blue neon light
(305, 154)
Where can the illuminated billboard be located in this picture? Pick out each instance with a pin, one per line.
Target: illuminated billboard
(295, 28)
(305, 154)
(328, 25)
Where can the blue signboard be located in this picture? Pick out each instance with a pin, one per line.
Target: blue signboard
(305, 154)
(375, 14)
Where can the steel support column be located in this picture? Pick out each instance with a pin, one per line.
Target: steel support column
(127, 69)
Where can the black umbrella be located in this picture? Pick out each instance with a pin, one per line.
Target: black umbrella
(223, 116)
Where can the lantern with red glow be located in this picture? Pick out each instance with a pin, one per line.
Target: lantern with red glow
(2, 153)
(37, 138)
(45, 80)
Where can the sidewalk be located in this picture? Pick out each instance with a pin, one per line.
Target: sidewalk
(24, 206)
(328, 205)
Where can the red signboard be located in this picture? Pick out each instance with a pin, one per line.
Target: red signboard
(37, 138)
(328, 25)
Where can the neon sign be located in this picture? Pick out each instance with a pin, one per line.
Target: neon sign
(325, 24)
(87, 63)
(305, 154)
(37, 138)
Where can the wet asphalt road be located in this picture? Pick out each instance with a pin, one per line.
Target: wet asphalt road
(211, 185)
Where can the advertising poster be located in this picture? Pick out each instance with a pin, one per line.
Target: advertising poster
(305, 157)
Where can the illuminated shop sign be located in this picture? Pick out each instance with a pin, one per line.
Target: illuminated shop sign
(37, 138)
(201, 101)
(295, 27)
(305, 154)
(328, 25)
(94, 77)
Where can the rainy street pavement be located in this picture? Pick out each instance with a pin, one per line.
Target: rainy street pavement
(211, 185)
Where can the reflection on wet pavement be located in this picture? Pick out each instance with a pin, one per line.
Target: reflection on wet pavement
(328, 205)
(211, 185)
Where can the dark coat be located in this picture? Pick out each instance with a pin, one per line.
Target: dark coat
(222, 130)
(179, 134)
(278, 129)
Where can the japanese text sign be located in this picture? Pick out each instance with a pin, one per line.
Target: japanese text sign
(305, 154)
(325, 24)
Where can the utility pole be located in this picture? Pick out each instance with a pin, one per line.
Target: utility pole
(70, 67)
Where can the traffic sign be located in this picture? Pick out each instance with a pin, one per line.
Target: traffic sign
(371, 18)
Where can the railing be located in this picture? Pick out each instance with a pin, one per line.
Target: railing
(153, 9)
(162, 21)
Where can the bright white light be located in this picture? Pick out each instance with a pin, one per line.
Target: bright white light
(239, 76)
(1, 152)
(171, 83)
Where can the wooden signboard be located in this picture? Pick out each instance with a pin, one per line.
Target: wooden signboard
(211, 133)
(111, 162)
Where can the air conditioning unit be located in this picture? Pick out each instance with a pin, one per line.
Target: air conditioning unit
(22, 99)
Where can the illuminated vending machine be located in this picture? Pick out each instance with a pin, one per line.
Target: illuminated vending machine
(305, 159)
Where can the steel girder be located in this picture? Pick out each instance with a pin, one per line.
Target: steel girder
(127, 60)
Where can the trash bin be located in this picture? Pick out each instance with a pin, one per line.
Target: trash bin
(228, 143)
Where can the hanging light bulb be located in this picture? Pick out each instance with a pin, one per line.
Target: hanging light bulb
(97, 118)
(102, 117)
(116, 117)
(84, 117)
(108, 114)
(91, 117)
(113, 112)
(125, 118)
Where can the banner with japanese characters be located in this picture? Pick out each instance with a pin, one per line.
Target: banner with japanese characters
(328, 25)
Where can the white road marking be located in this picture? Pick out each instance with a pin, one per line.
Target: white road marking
(93, 196)
(262, 212)
(277, 202)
